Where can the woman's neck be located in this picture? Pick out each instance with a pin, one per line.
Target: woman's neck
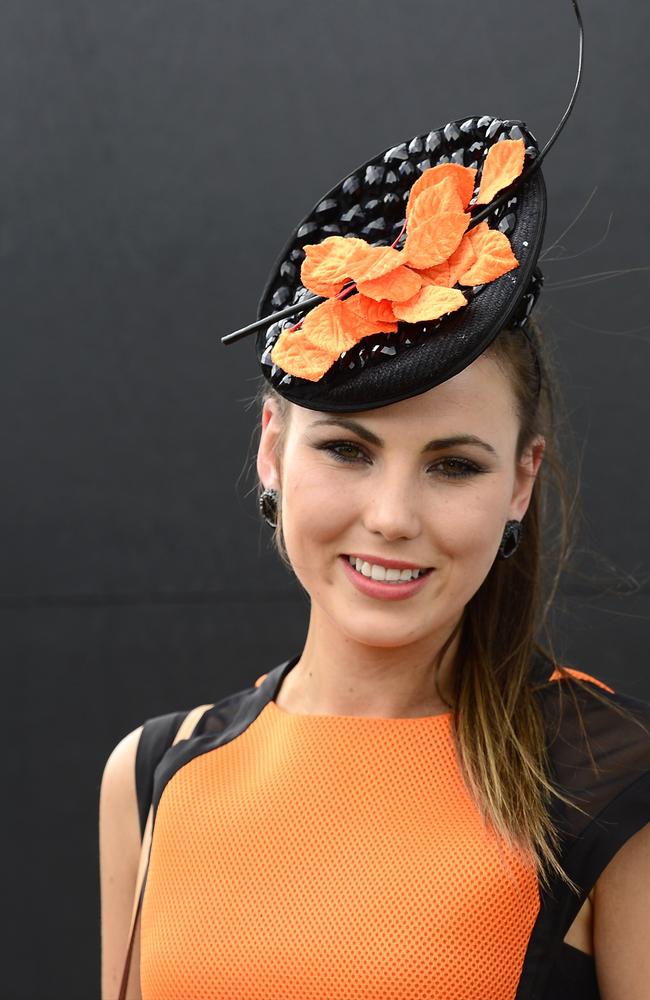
(338, 676)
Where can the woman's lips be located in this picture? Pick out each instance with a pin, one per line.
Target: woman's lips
(379, 588)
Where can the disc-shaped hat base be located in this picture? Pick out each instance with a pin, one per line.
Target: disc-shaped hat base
(370, 203)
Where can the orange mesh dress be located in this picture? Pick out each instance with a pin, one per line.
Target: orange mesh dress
(297, 857)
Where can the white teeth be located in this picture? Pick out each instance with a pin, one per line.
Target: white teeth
(375, 572)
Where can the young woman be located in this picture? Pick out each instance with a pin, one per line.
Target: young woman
(421, 802)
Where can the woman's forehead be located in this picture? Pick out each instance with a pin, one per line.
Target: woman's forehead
(481, 393)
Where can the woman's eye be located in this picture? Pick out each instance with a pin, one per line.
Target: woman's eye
(448, 468)
(457, 467)
(341, 450)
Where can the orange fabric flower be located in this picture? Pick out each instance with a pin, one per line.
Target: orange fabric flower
(413, 285)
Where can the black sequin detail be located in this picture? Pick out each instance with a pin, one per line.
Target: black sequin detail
(507, 223)
(308, 229)
(351, 186)
(281, 297)
(354, 214)
(397, 153)
(374, 175)
(288, 271)
(327, 209)
(451, 132)
(407, 169)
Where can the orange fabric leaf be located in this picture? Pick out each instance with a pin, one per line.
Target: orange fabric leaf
(435, 200)
(449, 271)
(336, 325)
(431, 302)
(503, 163)
(327, 330)
(326, 266)
(398, 285)
(376, 312)
(494, 256)
(366, 316)
(439, 274)
(463, 179)
(436, 225)
(434, 241)
(298, 356)
(463, 256)
(375, 263)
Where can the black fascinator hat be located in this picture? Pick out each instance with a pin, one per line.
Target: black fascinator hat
(406, 270)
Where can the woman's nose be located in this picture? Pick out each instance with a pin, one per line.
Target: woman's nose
(391, 507)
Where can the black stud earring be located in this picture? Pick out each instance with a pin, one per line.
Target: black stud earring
(268, 503)
(511, 539)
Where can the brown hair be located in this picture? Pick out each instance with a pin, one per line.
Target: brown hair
(493, 696)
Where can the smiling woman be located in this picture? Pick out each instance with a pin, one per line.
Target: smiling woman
(429, 482)
(421, 801)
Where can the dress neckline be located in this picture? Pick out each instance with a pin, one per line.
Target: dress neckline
(374, 719)
(288, 665)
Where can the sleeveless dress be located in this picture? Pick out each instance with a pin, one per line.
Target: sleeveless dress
(304, 857)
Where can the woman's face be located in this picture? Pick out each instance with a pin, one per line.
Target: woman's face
(429, 481)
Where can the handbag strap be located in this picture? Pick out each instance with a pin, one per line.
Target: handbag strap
(187, 727)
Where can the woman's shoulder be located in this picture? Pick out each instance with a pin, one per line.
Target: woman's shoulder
(159, 732)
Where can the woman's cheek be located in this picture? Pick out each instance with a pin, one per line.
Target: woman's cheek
(320, 503)
(316, 512)
(468, 539)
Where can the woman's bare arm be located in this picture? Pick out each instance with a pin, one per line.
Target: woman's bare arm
(119, 853)
(622, 922)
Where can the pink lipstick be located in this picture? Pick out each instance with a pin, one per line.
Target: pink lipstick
(379, 588)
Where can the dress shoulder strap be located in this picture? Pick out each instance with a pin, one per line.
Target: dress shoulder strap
(158, 739)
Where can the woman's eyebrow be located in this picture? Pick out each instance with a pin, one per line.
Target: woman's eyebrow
(436, 445)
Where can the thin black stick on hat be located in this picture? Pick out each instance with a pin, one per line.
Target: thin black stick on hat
(307, 303)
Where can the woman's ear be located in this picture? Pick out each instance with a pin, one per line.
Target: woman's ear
(267, 464)
(525, 476)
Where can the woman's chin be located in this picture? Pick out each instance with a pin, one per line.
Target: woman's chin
(374, 630)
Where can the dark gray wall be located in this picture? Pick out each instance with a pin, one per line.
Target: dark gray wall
(154, 158)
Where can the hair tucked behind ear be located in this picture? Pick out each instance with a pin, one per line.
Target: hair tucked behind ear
(498, 725)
